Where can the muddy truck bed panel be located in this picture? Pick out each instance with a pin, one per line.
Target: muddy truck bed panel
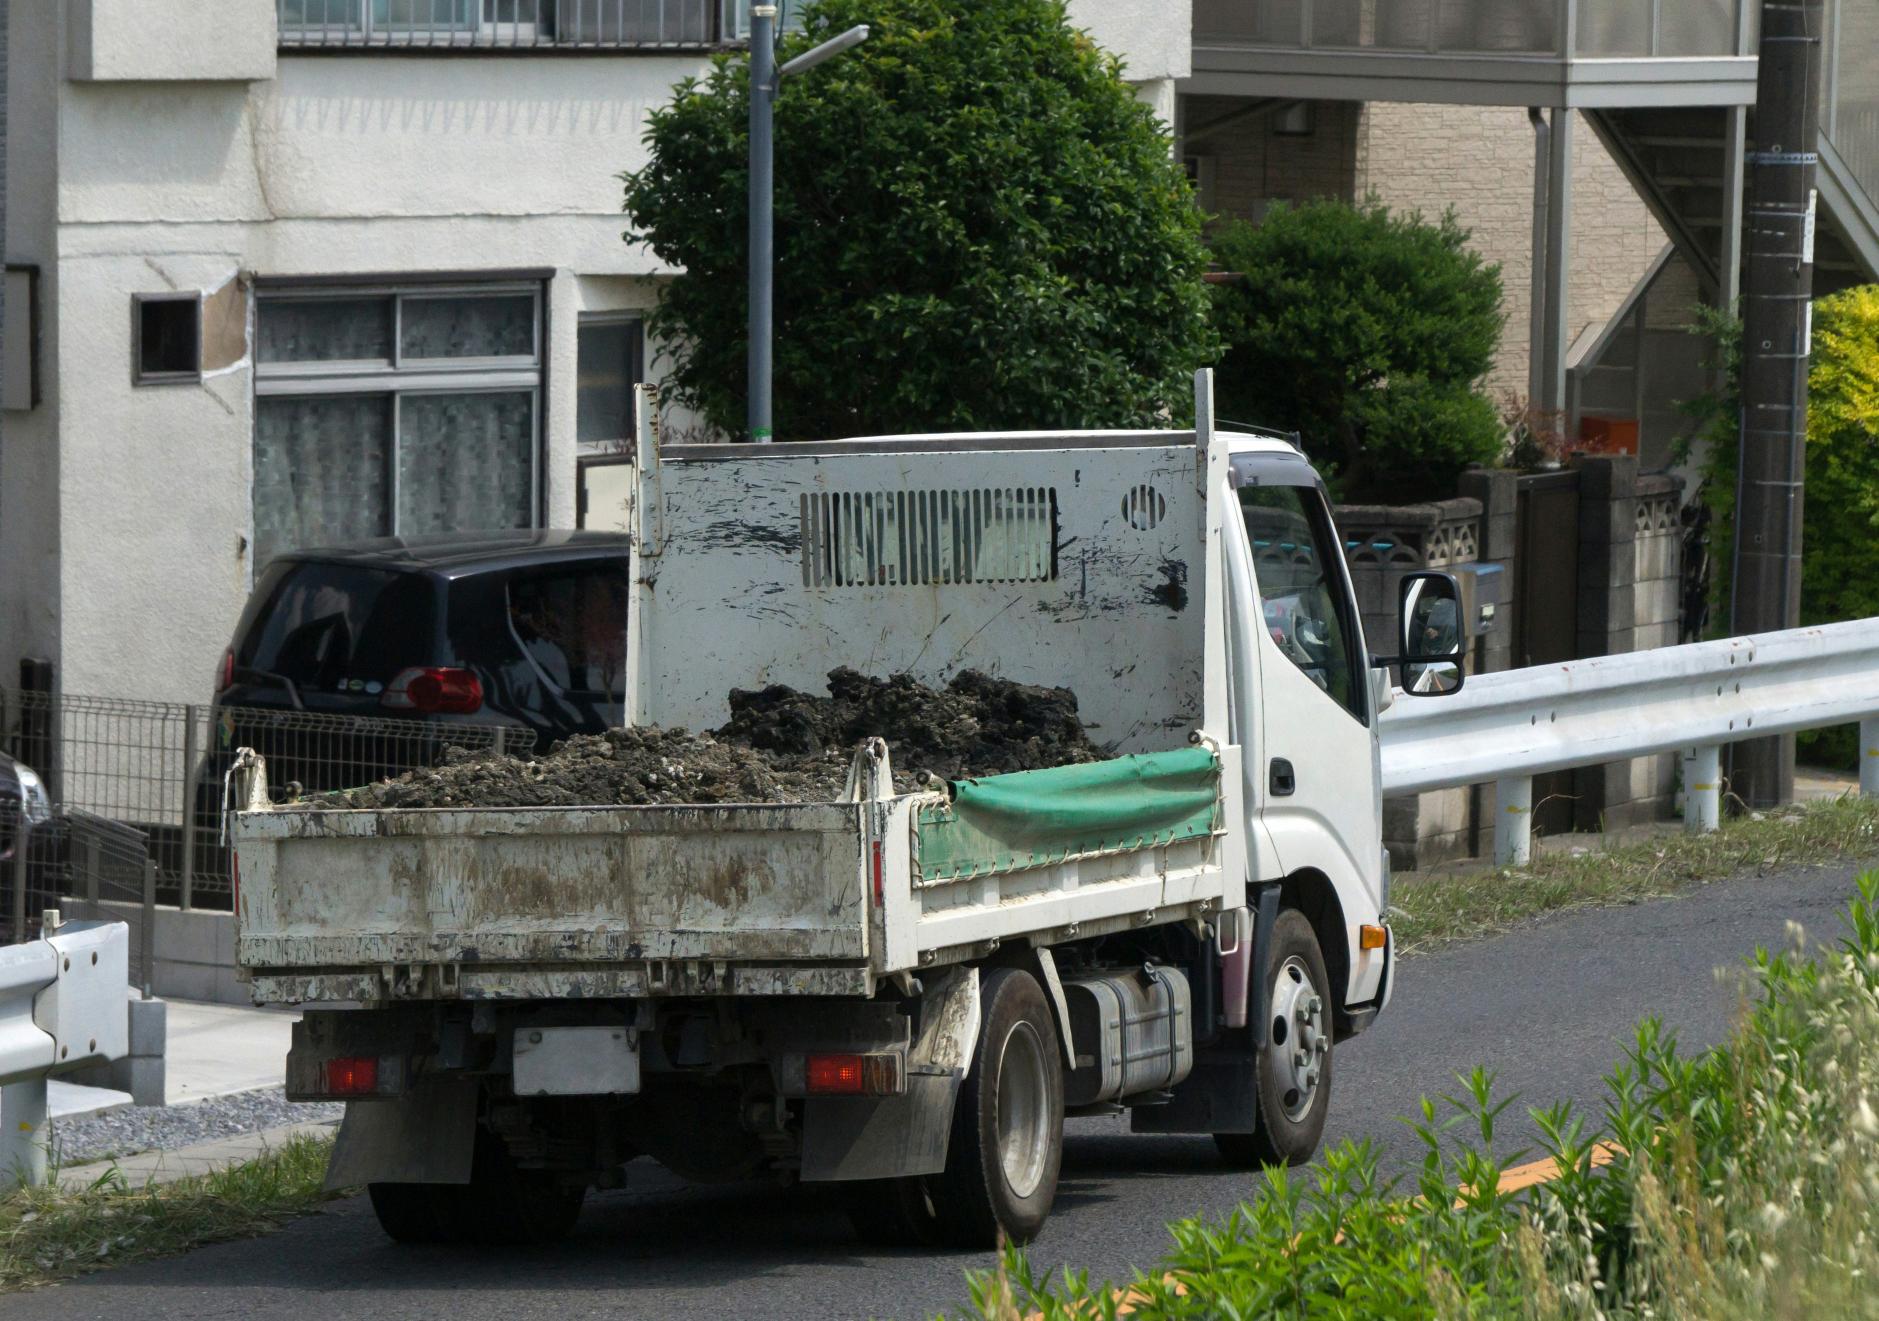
(815, 898)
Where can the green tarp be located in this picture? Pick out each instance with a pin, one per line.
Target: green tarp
(1033, 818)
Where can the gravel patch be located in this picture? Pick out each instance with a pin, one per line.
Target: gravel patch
(169, 1128)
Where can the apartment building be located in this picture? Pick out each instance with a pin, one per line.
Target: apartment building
(288, 272)
(1594, 148)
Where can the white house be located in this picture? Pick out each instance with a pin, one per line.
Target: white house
(294, 271)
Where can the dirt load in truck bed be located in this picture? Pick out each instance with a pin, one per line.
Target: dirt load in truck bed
(780, 746)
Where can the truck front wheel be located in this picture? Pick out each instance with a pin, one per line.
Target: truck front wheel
(1292, 1054)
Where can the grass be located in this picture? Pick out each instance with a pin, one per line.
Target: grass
(51, 1234)
(1743, 1182)
(1442, 908)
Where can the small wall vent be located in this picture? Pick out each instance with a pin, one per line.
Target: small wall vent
(929, 537)
(1144, 507)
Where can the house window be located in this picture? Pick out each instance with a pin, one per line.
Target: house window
(610, 362)
(502, 24)
(167, 338)
(395, 412)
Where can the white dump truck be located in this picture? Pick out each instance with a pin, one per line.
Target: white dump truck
(902, 992)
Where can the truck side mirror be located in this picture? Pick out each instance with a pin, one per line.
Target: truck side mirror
(1431, 634)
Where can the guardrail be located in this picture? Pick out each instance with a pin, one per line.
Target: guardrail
(1506, 728)
(64, 1004)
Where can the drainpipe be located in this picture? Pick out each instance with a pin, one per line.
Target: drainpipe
(1536, 319)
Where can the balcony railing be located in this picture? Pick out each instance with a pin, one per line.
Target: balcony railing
(512, 24)
(1589, 29)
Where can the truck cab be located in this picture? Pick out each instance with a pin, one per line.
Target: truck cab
(905, 992)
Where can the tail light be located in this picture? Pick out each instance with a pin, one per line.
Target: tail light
(225, 677)
(853, 1075)
(434, 690)
(352, 1075)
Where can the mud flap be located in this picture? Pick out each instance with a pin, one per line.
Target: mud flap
(854, 1138)
(893, 1136)
(426, 1136)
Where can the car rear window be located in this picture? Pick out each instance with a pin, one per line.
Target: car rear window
(336, 627)
(571, 624)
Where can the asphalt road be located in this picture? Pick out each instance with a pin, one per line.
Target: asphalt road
(1549, 1008)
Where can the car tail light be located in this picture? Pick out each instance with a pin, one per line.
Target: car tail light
(434, 689)
(352, 1075)
(225, 677)
(853, 1075)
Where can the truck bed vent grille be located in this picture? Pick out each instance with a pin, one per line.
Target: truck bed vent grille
(929, 538)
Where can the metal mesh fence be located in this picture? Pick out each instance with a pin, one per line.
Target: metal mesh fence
(159, 767)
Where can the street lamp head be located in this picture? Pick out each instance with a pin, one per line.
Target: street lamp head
(827, 50)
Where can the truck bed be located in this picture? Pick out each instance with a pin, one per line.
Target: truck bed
(798, 899)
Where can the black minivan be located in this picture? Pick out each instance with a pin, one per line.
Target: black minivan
(515, 631)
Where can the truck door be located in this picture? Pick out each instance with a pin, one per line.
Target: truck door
(1320, 802)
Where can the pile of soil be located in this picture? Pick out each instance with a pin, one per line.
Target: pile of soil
(781, 746)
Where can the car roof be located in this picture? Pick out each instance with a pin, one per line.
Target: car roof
(453, 554)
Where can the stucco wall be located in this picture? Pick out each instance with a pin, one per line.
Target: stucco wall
(29, 456)
(1155, 38)
(1480, 161)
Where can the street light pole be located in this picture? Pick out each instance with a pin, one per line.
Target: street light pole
(765, 80)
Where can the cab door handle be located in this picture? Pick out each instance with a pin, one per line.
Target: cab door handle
(1280, 780)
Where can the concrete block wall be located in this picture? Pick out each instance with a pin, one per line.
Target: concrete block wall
(1383, 543)
(1630, 599)
(194, 950)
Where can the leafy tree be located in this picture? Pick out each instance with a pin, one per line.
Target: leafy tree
(1368, 333)
(978, 226)
(1840, 504)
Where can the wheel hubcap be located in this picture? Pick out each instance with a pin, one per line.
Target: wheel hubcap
(1301, 1038)
(1023, 1111)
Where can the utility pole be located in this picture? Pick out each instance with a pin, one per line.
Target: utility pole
(765, 80)
(1777, 335)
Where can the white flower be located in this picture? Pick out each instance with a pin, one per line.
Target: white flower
(1864, 1119)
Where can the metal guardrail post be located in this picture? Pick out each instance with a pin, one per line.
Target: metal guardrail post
(1513, 822)
(1869, 756)
(1702, 789)
(23, 1132)
(147, 943)
(191, 750)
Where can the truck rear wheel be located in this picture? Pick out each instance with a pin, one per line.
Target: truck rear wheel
(502, 1204)
(1292, 1054)
(1006, 1143)
(1007, 1135)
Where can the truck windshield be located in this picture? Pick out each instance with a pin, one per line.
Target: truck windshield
(329, 627)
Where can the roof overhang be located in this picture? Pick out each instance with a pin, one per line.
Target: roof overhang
(1225, 69)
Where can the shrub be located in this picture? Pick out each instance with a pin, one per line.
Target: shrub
(1369, 334)
(1741, 1182)
(978, 225)
(1840, 507)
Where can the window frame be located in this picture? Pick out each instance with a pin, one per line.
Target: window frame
(396, 376)
(1252, 471)
(138, 376)
(636, 372)
(484, 33)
